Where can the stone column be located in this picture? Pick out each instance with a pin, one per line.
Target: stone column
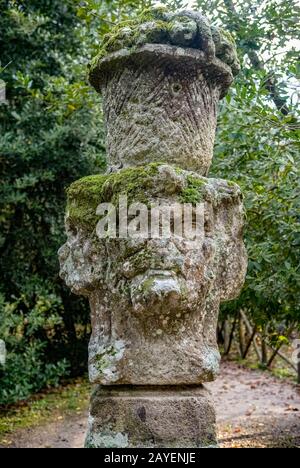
(155, 299)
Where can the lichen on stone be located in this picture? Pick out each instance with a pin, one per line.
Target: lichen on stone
(226, 49)
(159, 26)
(106, 439)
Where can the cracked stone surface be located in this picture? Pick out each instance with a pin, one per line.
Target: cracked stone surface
(155, 301)
(161, 81)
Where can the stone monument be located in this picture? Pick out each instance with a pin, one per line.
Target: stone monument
(155, 299)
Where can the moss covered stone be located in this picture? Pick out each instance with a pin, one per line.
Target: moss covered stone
(160, 26)
(143, 184)
(194, 191)
(138, 184)
(226, 48)
(87, 193)
(151, 26)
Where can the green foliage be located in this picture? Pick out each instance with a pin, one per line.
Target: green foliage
(51, 134)
(26, 372)
(257, 146)
(49, 137)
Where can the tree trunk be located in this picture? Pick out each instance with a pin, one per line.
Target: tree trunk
(264, 351)
(226, 336)
(273, 356)
(242, 336)
(250, 341)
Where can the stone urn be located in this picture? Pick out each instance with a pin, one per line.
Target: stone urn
(161, 79)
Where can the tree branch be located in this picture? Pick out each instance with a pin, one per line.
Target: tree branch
(278, 353)
(270, 83)
(250, 331)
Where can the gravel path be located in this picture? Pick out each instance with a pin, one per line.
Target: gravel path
(254, 409)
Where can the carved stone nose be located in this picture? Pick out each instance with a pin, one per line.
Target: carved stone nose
(165, 287)
(156, 291)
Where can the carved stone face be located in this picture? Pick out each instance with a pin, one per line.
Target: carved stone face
(157, 300)
(174, 274)
(159, 272)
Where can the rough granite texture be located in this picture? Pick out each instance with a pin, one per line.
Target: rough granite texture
(151, 417)
(155, 301)
(161, 78)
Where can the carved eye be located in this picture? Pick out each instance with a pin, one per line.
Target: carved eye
(176, 88)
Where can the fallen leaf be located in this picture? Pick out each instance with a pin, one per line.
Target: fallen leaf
(237, 430)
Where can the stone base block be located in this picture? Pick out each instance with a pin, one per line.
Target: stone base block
(171, 417)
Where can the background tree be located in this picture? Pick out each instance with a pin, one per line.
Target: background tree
(49, 136)
(258, 146)
(51, 133)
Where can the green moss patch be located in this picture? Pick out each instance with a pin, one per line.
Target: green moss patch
(131, 33)
(139, 184)
(86, 194)
(194, 191)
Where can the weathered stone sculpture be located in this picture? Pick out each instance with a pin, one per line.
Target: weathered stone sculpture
(155, 300)
(161, 79)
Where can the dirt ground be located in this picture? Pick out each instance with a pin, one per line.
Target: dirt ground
(254, 409)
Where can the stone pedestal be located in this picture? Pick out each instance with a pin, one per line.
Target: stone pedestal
(155, 299)
(145, 416)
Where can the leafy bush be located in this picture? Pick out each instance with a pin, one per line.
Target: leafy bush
(49, 136)
(26, 372)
